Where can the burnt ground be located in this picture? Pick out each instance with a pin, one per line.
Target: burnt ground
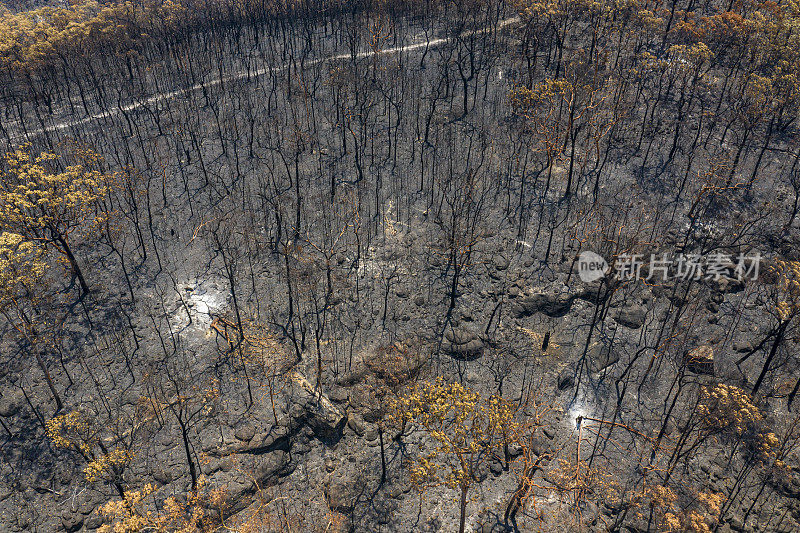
(336, 202)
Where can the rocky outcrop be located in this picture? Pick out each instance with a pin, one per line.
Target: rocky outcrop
(601, 357)
(700, 360)
(342, 489)
(11, 401)
(314, 408)
(631, 317)
(550, 303)
(462, 343)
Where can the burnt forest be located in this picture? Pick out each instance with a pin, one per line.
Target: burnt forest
(328, 266)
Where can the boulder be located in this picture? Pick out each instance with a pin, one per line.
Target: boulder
(553, 304)
(744, 345)
(353, 377)
(541, 446)
(245, 432)
(162, 474)
(339, 395)
(631, 317)
(700, 360)
(11, 401)
(93, 521)
(315, 409)
(271, 466)
(262, 471)
(730, 285)
(459, 335)
(601, 357)
(462, 343)
(593, 292)
(495, 466)
(277, 438)
(514, 449)
(71, 521)
(357, 424)
(392, 363)
(501, 263)
(342, 490)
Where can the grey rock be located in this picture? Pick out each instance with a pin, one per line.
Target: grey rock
(551, 304)
(314, 408)
(631, 317)
(93, 521)
(371, 433)
(541, 444)
(273, 465)
(357, 424)
(11, 402)
(210, 441)
(514, 449)
(226, 464)
(594, 292)
(276, 438)
(395, 363)
(730, 285)
(71, 521)
(481, 472)
(600, 357)
(589, 512)
(391, 363)
(372, 413)
(459, 336)
(469, 351)
(162, 474)
(245, 432)
(353, 377)
(463, 343)
(744, 345)
(266, 471)
(339, 395)
(700, 360)
(301, 448)
(342, 491)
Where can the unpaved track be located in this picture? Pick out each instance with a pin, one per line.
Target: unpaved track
(156, 98)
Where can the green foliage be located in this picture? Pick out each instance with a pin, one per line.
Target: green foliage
(464, 427)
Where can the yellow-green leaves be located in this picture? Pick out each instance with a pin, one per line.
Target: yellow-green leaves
(21, 265)
(463, 428)
(46, 205)
(36, 38)
(36, 200)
